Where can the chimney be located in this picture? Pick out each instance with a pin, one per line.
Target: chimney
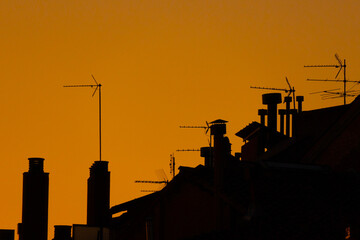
(220, 154)
(218, 130)
(205, 152)
(98, 204)
(62, 232)
(299, 99)
(35, 202)
(272, 100)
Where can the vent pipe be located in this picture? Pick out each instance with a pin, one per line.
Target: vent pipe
(282, 114)
(299, 99)
(272, 100)
(287, 101)
(262, 113)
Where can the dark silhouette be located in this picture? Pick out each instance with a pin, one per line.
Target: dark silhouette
(35, 202)
(62, 232)
(7, 234)
(98, 195)
(304, 185)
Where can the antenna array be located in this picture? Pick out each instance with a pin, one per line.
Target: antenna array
(342, 66)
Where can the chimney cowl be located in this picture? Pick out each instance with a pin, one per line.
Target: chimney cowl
(271, 98)
(36, 164)
(288, 99)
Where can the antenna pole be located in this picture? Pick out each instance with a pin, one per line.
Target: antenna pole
(344, 81)
(100, 118)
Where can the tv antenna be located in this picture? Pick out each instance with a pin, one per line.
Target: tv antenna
(164, 181)
(342, 66)
(289, 91)
(96, 86)
(207, 128)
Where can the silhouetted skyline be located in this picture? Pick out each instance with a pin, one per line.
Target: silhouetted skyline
(163, 64)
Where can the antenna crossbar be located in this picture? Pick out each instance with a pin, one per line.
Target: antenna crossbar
(158, 182)
(335, 66)
(331, 80)
(188, 150)
(276, 89)
(81, 85)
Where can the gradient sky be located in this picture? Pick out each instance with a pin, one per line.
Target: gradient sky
(162, 63)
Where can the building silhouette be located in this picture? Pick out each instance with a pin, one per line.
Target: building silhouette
(297, 177)
(34, 223)
(299, 180)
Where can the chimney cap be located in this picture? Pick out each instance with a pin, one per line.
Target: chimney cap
(271, 98)
(299, 98)
(287, 99)
(219, 121)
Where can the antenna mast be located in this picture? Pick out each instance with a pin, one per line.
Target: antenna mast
(97, 86)
(341, 65)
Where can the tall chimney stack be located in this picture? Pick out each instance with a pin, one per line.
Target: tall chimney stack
(272, 100)
(98, 204)
(34, 224)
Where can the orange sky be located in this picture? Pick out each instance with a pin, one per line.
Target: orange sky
(162, 63)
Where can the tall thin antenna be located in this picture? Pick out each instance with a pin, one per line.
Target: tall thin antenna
(341, 65)
(97, 86)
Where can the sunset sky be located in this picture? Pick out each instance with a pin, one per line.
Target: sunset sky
(162, 64)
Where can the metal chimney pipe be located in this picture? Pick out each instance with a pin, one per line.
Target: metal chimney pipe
(262, 113)
(282, 114)
(272, 100)
(287, 101)
(299, 99)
